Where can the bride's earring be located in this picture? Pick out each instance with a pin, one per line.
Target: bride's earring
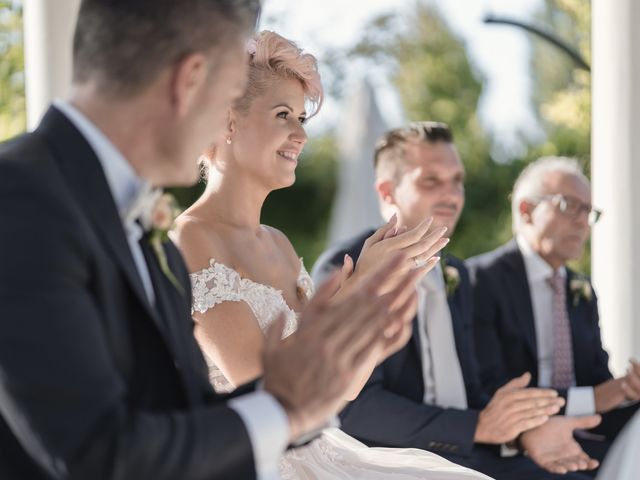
(228, 141)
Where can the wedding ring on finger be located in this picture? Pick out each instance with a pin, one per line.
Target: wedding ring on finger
(418, 263)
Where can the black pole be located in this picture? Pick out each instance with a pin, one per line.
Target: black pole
(575, 56)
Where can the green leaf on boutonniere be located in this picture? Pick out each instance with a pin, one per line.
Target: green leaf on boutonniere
(163, 216)
(451, 278)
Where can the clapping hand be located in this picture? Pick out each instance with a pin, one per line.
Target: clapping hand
(310, 371)
(631, 382)
(615, 391)
(553, 447)
(419, 246)
(515, 409)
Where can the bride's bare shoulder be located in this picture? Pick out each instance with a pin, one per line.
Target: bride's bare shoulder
(284, 244)
(199, 241)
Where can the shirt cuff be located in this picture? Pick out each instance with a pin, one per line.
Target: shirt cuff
(268, 428)
(580, 401)
(507, 451)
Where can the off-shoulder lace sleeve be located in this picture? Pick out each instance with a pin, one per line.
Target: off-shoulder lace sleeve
(305, 283)
(214, 285)
(219, 283)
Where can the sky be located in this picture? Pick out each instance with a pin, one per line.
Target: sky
(500, 53)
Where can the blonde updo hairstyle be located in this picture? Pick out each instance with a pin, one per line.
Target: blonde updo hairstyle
(271, 58)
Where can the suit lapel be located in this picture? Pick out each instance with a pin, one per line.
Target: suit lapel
(170, 304)
(86, 179)
(457, 321)
(518, 287)
(415, 338)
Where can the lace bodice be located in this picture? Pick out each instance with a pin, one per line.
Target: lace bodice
(219, 283)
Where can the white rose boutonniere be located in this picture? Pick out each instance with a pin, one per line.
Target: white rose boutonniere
(159, 222)
(580, 288)
(451, 279)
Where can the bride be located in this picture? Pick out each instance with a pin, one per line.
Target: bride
(245, 275)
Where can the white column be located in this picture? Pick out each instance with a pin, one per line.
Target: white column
(616, 174)
(48, 32)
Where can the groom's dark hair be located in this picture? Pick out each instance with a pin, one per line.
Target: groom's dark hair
(124, 44)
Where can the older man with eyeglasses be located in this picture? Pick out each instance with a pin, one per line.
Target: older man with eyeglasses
(534, 314)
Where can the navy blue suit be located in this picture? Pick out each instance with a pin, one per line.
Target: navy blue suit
(390, 411)
(505, 329)
(505, 333)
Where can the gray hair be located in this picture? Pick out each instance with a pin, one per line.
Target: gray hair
(531, 181)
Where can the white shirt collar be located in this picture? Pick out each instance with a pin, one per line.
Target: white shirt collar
(124, 183)
(537, 268)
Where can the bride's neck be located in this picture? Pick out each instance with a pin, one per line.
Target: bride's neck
(234, 199)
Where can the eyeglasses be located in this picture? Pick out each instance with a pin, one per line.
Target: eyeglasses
(573, 207)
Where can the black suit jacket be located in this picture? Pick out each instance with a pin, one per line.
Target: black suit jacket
(504, 325)
(95, 383)
(390, 410)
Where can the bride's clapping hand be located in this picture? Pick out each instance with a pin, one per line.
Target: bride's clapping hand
(402, 309)
(419, 245)
(310, 371)
(403, 299)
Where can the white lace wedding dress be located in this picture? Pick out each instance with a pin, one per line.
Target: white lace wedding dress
(334, 455)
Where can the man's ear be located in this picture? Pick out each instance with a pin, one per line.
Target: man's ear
(189, 78)
(386, 191)
(525, 208)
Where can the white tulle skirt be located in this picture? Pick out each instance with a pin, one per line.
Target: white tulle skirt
(336, 455)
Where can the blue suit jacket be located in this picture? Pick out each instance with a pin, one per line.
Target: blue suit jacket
(390, 410)
(504, 325)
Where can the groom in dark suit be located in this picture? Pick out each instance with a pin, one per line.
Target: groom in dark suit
(429, 395)
(100, 375)
(535, 314)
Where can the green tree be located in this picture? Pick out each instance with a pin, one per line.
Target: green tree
(12, 92)
(562, 91)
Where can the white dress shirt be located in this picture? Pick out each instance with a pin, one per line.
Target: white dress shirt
(580, 400)
(265, 419)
